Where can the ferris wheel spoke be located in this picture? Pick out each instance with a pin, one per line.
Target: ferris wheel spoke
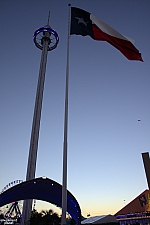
(14, 209)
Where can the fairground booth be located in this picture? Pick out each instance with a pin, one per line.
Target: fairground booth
(137, 211)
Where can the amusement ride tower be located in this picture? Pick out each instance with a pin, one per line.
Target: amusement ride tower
(46, 39)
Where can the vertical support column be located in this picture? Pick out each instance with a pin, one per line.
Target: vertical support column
(37, 116)
(65, 145)
(46, 39)
(146, 162)
(31, 168)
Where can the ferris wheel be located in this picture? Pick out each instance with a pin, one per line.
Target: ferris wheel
(11, 184)
(14, 209)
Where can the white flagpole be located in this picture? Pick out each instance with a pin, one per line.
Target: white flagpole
(64, 179)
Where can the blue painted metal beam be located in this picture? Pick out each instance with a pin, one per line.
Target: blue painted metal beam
(42, 189)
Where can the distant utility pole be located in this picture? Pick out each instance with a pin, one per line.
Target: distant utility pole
(46, 39)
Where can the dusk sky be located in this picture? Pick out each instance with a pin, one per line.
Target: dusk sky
(108, 94)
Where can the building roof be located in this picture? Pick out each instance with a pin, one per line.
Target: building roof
(140, 204)
(100, 219)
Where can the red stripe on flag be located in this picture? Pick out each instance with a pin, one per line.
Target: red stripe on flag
(124, 46)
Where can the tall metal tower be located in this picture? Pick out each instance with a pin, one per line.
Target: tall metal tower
(46, 39)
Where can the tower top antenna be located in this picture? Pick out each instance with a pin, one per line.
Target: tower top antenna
(48, 17)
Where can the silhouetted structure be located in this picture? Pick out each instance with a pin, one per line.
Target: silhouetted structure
(46, 39)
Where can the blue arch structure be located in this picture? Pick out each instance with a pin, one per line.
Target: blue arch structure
(42, 189)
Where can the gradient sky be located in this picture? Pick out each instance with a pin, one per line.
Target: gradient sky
(108, 94)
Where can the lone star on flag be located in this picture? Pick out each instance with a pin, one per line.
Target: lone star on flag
(81, 20)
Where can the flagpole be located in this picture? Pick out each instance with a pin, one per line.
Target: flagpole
(65, 144)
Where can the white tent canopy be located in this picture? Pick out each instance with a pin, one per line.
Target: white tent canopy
(100, 219)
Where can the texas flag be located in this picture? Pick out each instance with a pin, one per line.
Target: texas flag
(83, 23)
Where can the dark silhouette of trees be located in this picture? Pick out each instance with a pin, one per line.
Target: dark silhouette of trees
(36, 218)
(2, 218)
(45, 217)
